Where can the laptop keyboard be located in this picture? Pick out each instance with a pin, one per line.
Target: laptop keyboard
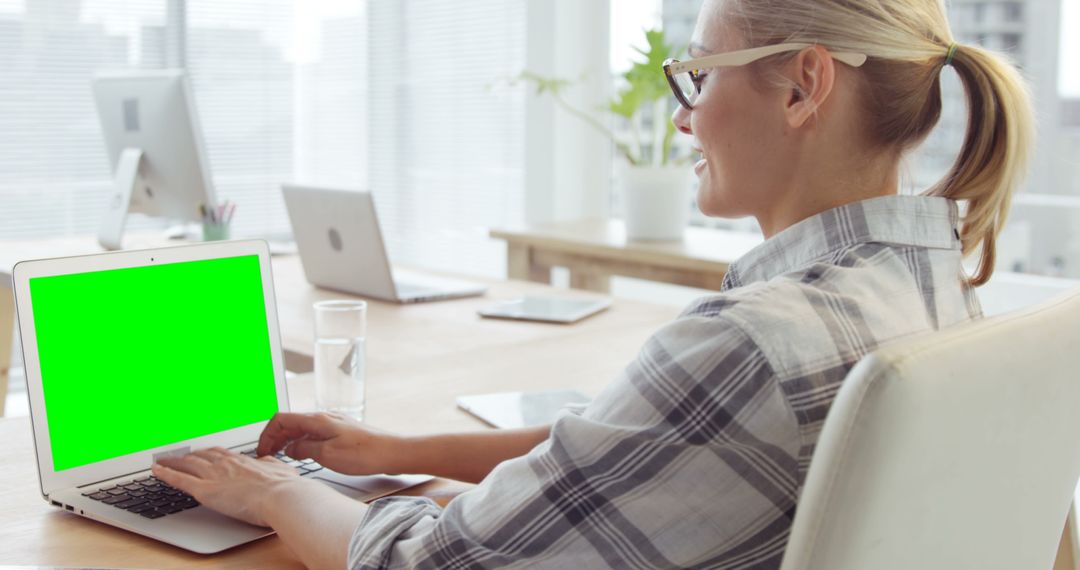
(152, 498)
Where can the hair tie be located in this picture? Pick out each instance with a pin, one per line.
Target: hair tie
(951, 53)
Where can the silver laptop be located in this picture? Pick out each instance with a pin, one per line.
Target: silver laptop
(135, 355)
(341, 248)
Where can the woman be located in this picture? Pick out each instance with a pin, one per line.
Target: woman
(695, 455)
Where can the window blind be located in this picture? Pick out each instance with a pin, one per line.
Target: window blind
(267, 115)
(54, 173)
(237, 58)
(446, 148)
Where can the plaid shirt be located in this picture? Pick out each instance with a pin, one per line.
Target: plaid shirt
(695, 455)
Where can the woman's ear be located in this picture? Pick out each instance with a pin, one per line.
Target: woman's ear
(812, 73)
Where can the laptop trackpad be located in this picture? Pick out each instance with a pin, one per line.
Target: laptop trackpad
(369, 487)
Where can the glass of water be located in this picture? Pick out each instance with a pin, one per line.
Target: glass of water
(340, 328)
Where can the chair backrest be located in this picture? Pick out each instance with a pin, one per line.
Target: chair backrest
(956, 449)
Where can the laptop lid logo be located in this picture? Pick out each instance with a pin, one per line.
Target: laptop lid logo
(335, 239)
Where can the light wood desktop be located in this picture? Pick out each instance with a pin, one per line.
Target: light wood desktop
(420, 358)
(7, 330)
(593, 250)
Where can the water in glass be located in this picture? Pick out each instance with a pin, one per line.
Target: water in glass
(339, 375)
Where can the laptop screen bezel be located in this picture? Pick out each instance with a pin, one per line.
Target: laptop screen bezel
(52, 480)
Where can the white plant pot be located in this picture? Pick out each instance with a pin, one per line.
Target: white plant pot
(656, 201)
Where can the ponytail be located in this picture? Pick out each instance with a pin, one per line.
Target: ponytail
(994, 156)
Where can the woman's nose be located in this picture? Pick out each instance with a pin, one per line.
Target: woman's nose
(681, 119)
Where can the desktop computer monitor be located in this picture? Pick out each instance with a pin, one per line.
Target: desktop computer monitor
(159, 161)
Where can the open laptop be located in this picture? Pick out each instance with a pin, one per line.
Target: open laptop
(341, 248)
(135, 355)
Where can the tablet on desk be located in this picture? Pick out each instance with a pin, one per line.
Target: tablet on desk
(545, 309)
(508, 410)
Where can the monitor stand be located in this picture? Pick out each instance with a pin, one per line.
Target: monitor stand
(126, 178)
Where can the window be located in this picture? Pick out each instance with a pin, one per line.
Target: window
(53, 166)
(1042, 235)
(244, 91)
(979, 10)
(447, 146)
(1014, 11)
(278, 89)
(1012, 43)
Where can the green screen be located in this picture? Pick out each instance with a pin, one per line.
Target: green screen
(141, 357)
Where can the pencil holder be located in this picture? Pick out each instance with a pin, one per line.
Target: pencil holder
(212, 231)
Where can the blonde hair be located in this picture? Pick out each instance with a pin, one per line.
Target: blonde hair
(907, 42)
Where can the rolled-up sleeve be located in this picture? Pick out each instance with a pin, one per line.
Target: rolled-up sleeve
(686, 459)
(387, 521)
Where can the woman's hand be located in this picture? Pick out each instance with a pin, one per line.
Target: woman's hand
(335, 441)
(347, 446)
(228, 482)
(314, 521)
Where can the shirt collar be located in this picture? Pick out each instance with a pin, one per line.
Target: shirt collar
(921, 221)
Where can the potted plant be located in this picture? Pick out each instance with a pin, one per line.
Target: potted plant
(653, 184)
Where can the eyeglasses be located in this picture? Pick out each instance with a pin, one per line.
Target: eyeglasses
(685, 77)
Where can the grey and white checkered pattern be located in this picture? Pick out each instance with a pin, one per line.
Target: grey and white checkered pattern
(695, 455)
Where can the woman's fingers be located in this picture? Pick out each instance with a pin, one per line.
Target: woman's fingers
(178, 479)
(192, 464)
(286, 427)
(304, 449)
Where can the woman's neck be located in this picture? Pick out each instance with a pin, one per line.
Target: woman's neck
(830, 185)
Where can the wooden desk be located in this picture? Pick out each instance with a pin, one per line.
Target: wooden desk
(594, 250)
(420, 358)
(7, 330)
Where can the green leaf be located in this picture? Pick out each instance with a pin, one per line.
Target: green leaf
(626, 103)
(553, 85)
(645, 84)
(645, 78)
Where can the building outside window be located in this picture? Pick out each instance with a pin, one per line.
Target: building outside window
(1014, 12)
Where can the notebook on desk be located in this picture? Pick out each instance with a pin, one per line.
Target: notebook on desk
(135, 355)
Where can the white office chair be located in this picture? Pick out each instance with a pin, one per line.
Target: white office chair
(957, 449)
